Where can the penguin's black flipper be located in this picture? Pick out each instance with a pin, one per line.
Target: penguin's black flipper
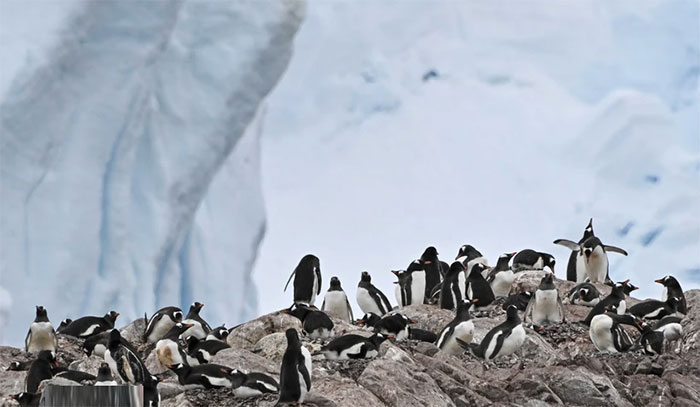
(347, 303)
(469, 347)
(304, 373)
(320, 281)
(614, 249)
(569, 244)
(385, 301)
(290, 279)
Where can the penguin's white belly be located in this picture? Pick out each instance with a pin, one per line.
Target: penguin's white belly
(353, 350)
(597, 266)
(41, 338)
(397, 293)
(463, 331)
(218, 381)
(601, 334)
(307, 359)
(99, 350)
(402, 335)
(336, 304)
(161, 328)
(591, 303)
(302, 388)
(112, 364)
(664, 294)
(417, 287)
(315, 290)
(197, 330)
(513, 342)
(653, 314)
(622, 307)
(546, 308)
(245, 392)
(580, 268)
(366, 303)
(90, 330)
(502, 283)
(168, 353)
(672, 331)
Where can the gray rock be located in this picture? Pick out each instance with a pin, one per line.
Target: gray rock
(88, 365)
(11, 383)
(245, 336)
(271, 347)
(134, 331)
(343, 391)
(245, 360)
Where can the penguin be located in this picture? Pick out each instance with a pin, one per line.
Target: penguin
(124, 363)
(616, 300)
(168, 350)
(41, 335)
(336, 302)
(370, 298)
(40, 370)
(460, 327)
(451, 292)
(411, 285)
(432, 267)
(209, 376)
(670, 326)
(161, 322)
(651, 341)
(478, 288)
(251, 384)
(585, 294)
(97, 344)
(220, 333)
(501, 277)
(72, 375)
(520, 301)
(307, 280)
(88, 326)
(529, 259)
(594, 256)
(151, 397)
(200, 352)
(654, 309)
(315, 324)
(576, 268)
(673, 289)
(502, 340)
(104, 376)
(18, 366)
(627, 287)
(368, 319)
(608, 335)
(395, 325)
(26, 399)
(422, 335)
(470, 256)
(545, 306)
(353, 346)
(295, 372)
(200, 328)
(63, 325)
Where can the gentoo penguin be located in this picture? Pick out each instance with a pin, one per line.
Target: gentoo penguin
(104, 376)
(251, 384)
(615, 300)
(469, 256)
(336, 302)
(315, 323)
(41, 335)
(651, 341)
(673, 289)
(478, 288)
(354, 347)
(88, 326)
(655, 309)
(220, 333)
(431, 266)
(168, 350)
(585, 294)
(501, 277)
(209, 376)
(295, 372)
(17, 366)
(369, 298)
(545, 307)
(460, 327)
(451, 292)
(73, 375)
(520, 300)
(151, 397)
(670, 326)
(395, 325)
(410, 289)
(502, 340)
(200, 352)
(307, 280)
(124, 363)
(529, 259)
(628, 287)
(40, 370)
(422, 335)
(200, 328)
(63, 325)
(97, 344)
(576, 268)
(368, 320)
(26, 399)
(607, 333)
(594, 256)
(161, 322)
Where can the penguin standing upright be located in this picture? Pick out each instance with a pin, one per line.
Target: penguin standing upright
(315, 323)
(576, 267)
(124, 363)
(502, 340)
(585, 294)
(199, 327)
(594, 255)
(545, 307)
(478, 288)
(40, 370)
(469, 256)
(104, 376)
(651, 341)
(307, 280)
(168, 349)
(295, 372)
(251, 384)
(460, 327)
(607, 333)
(336, 302)
(529, 259)
(41, 335)
(501, 277)
(432, 267)
(410, 289)
(670, 326)
(161, 322)
(151, 397)
(615, 300)
(88, 326)
(672, 288)
(370, 299)
(451, 293)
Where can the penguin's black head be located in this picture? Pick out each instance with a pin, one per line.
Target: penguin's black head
(456, 267)
(668, 281)
(176, 315)
(547, 282)
(292, 336)
(111, 316)
(400, 274)
(41, 315)
(430, 255)
(368, 319)
(628, 287)
(237, 377)
(335, 282)
(503, 260)
(177, 367)
(478, 269)
(196, 307)
(220, 332)
(115, 338)
(465, 304)
(511, 312)
(469, 252)
(13, 366)
(549, 261)
(588, 232)
(416, 265)
(23, 398)
(619, 289)
(48, 356)
(297, 310)
(365, 277)
(64, 323)
(104, 366)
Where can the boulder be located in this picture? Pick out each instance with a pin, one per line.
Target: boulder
(245, 336)
(245, 360)
(134, 331)
(271, 347)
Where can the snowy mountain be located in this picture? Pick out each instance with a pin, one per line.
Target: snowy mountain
(130, 157)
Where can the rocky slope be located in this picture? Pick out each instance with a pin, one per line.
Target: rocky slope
(558, 366)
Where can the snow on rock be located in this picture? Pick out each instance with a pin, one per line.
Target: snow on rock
(129, 160)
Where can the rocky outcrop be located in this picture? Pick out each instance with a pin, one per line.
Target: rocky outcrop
(556, 366)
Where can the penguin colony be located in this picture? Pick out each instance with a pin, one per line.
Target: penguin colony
(185, 344)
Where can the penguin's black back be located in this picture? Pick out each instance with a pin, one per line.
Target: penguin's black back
(292, 363)
(519, 300)
(39, 370)
(80, 325)
(526, 256)
(480, 288)
(315, 320)
(392, 323)
(304, 275)
(421, 335)
(341, 343)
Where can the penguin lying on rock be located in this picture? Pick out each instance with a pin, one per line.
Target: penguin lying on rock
(395, 325)
(353, 346)
(315, 323)
(251, 384)
(88, 326)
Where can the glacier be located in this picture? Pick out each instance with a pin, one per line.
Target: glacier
(129, 156)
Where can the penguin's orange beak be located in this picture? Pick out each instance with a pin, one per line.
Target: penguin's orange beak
(360, 322)
(427, 262)
(475, 300)
(285, 311)
(413, 321)
(12, 397)
(396, 272)
(660, 281)
(390, 337)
